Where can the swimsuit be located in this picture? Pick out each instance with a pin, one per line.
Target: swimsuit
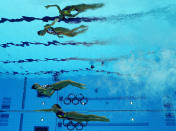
(44, 86)
(67, 10)
(61, 114)
(52, 31)
(41, 94)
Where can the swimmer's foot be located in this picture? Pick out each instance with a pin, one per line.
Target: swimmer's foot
(79, 85)
(83, 26)
(105, 119)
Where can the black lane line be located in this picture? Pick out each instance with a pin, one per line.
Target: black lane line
(53, 43)
(23, 104)
(62, 60)
(117, 98)
(112, 111)
(48, 18)
(118, 18)
(63, 71)
(118, 124)
(21, 122)
(148, 110)
(115, 124)
(24, 93)
(112, 98)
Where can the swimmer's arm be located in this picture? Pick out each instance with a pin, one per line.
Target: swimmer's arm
(60, 11)
(51, 93)
(54, 22)
(59, 36)
(44, 110)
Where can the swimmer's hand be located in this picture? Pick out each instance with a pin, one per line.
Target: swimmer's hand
(44, 110)
(47, 6)
(56, 20)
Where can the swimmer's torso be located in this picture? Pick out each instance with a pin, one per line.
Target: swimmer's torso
(53, 31)
(43, 90)
(67, 10)
(57, 30)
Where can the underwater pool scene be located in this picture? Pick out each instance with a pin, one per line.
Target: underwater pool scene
(89, 65)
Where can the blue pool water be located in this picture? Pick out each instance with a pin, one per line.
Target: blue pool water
(126, 58)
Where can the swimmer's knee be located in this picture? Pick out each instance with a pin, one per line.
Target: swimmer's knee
(69, 81)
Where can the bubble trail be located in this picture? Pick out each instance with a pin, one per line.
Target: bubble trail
(54, 43)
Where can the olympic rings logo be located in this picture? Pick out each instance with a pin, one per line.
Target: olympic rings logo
(74, 125)
(75, 99)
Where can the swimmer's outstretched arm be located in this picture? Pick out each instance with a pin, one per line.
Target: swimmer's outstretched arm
(44, 110)
(60, 11)
(49, 25)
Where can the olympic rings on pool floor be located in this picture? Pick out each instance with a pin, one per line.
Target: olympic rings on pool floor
(75, 99)
(74, 125)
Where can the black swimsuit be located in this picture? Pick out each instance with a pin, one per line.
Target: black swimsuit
(67, 8)
(61, 114)
(40, 94)
(51, 31)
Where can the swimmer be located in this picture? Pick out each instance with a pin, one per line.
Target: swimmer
(67, 11)
(59, 31)
(48, 90)
(74, 116)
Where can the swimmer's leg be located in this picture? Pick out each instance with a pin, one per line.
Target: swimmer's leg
(75, 31)
(82, 117)
(80, 27)
(87, 118)
(84, 7)
(62, 84)
(97, 118)
(61, 29)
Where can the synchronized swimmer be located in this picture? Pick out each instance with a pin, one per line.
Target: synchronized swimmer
(74, 116)
(59, 31)
(48, 90)
(67, 11)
